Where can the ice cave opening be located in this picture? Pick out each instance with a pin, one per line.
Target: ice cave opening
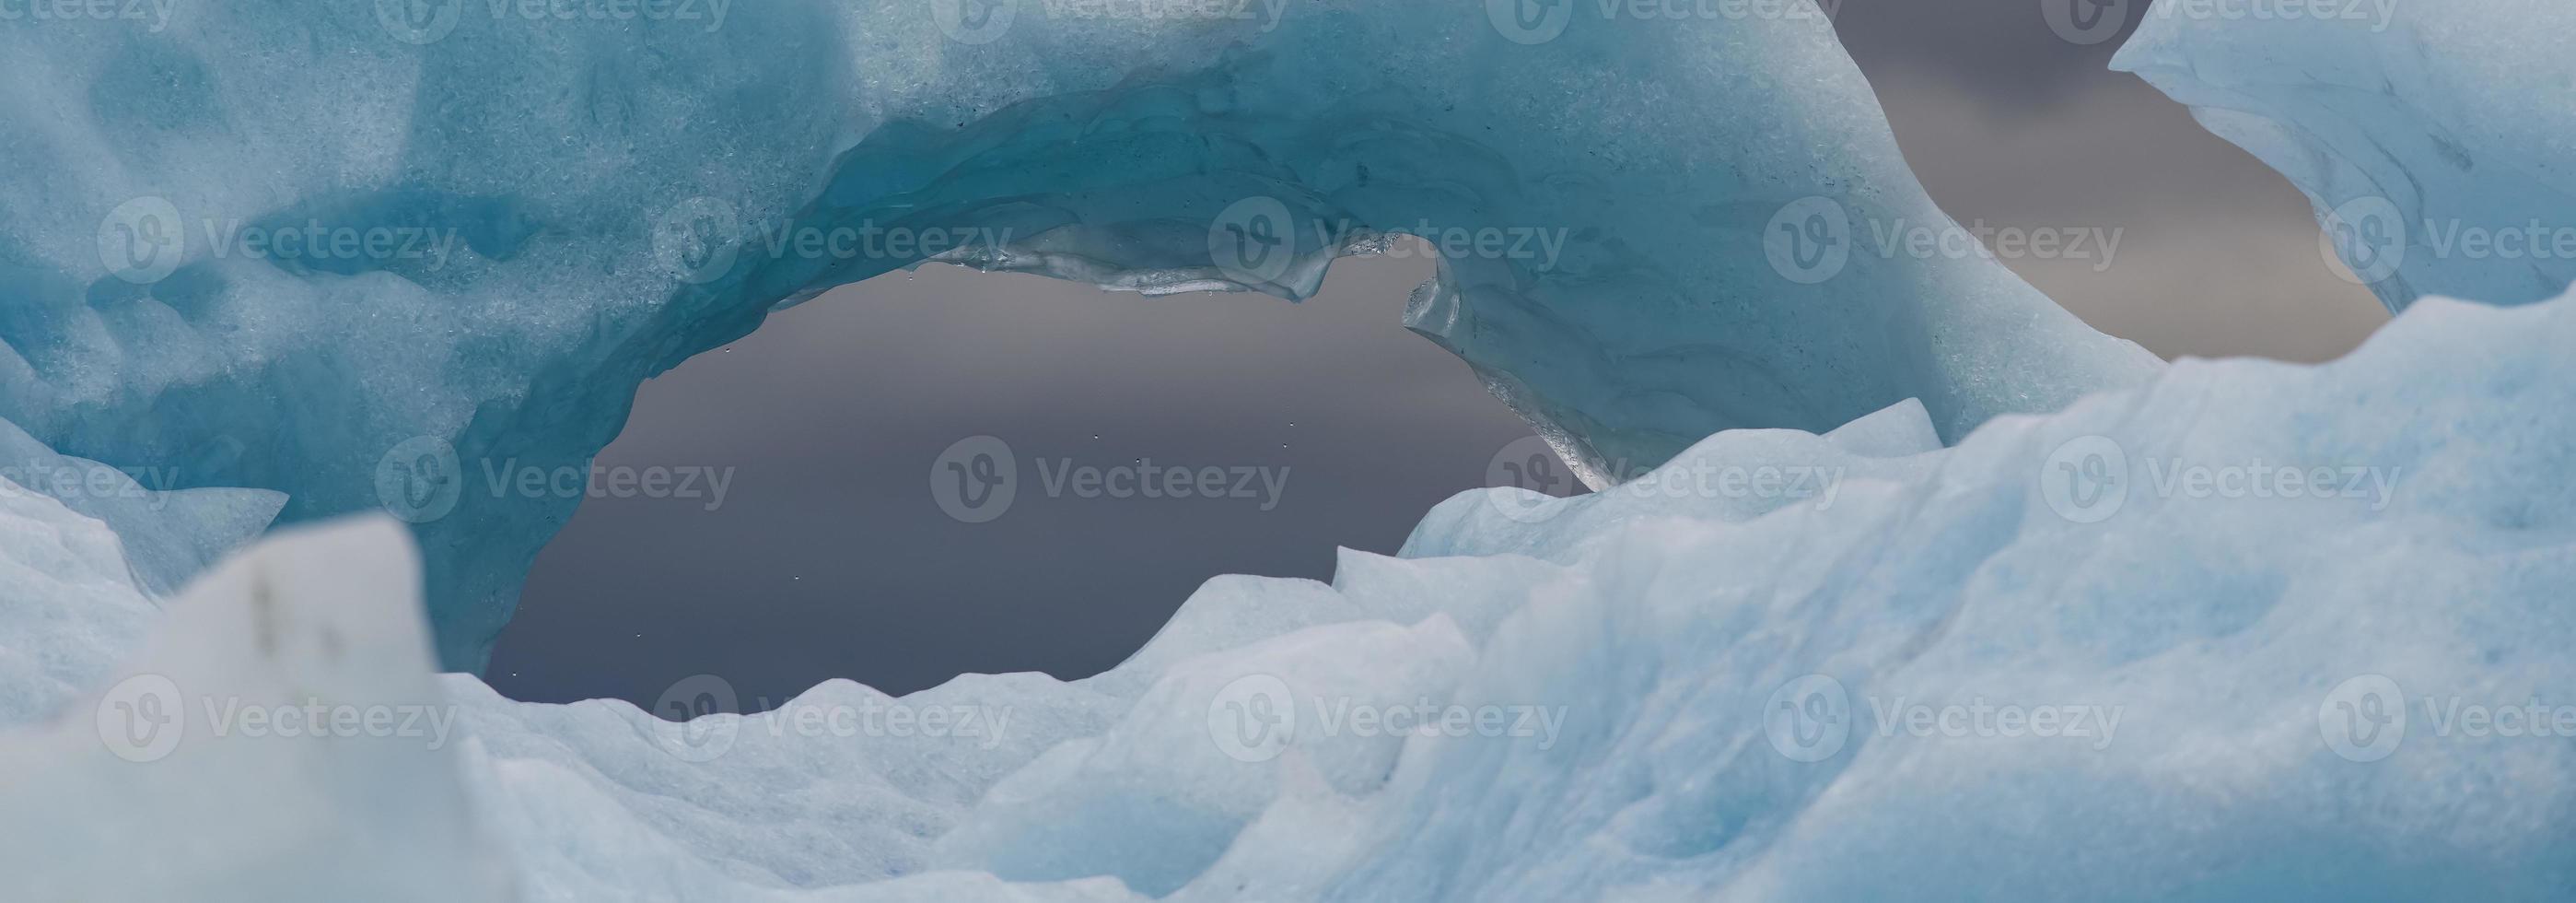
(812, 451)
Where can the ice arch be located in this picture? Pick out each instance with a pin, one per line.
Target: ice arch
(547, 186)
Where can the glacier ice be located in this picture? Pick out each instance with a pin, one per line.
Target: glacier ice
(2432, 138)
(2222, 631)
(2221, 651)
(355, 253)
(159, 787)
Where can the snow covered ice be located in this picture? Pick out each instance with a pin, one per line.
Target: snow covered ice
(1936, 594)
(2180, 658)
(2433, 138)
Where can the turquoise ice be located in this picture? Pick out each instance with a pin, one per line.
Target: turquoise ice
(362, 254)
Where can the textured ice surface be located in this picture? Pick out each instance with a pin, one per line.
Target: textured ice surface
(2435, 139)
(155, 786)
(88, 549)
(318, 247)
(2351, 684)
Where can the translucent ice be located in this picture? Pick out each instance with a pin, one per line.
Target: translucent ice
(278, 739)
(364, 254)
(2433, 138)
(2172, 643)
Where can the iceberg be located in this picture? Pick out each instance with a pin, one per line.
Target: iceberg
(2168, 644)
(2432, 139)
(1650, 230)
